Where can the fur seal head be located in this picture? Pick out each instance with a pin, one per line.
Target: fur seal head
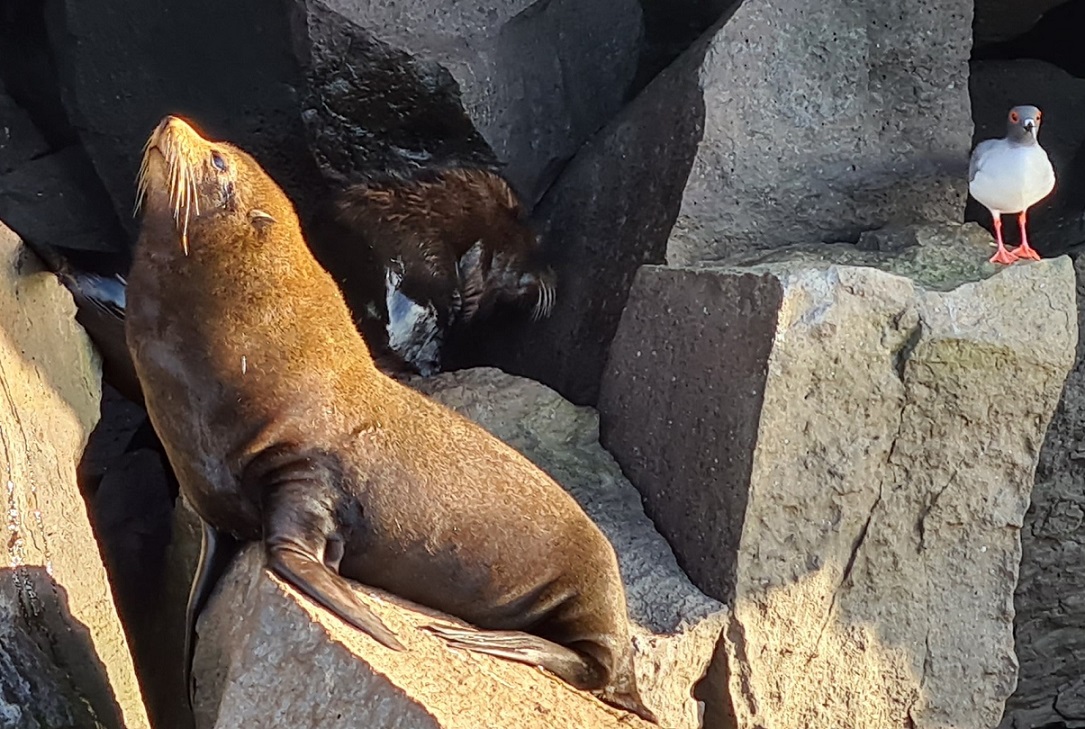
(194, 181)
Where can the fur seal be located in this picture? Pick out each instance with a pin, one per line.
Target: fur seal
(422, 254)
(280, 428)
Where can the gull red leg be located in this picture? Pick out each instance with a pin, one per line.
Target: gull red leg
(1024, 250)
(1002, 255)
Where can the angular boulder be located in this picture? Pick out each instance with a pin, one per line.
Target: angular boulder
(263, 650)
(341, 85)
(792, 122)
(1050, 622)
(64, 659)
(841, 444)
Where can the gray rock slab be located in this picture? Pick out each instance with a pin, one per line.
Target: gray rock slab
(855, 435)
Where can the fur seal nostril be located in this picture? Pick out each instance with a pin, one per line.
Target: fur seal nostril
(280, 428)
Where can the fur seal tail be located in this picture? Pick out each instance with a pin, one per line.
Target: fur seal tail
(574, 668)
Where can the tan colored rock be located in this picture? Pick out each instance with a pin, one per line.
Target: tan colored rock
(264, 651)
(65, 659)
(857, 447)
(1050, 598)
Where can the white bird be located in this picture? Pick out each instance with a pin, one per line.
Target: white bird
(1010, 175)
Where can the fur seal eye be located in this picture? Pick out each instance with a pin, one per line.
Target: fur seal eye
(218, 161)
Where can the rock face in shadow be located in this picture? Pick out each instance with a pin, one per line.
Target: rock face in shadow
(64, 659)
(47, 196)
(1000, 20)
(259, 642)
(343, 85)
(788, 123)
(1050, 610)
(862, 508)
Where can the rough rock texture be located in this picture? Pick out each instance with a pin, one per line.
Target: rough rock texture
(1058, 222)
(866, 523)
(57, 200)
(20, 140)
(999, 20)
(357, 84)
(46, 197)
(1050, 599)
(793, 122)
(262, 649)
(64, 660)
(838, 139)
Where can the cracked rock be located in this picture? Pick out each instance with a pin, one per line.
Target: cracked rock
(1050, 599)
(264, 651)
(841, 443)
(64, 659)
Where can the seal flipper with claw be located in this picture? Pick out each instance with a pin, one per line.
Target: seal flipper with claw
(570, 666)
(301, 508)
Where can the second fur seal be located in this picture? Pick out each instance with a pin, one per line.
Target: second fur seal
(281, 429)
(421, 255)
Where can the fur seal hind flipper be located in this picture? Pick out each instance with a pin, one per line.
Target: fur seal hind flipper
(328, 589)
(572, 667)
(217, 549)
(303, 546)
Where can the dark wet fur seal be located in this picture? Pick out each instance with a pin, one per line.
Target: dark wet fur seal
(422, 254)
(281, 429)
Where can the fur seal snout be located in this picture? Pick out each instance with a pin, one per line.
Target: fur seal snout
(280, 428)
(421, 255)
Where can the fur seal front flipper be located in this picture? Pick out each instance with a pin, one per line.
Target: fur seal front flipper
(302, 535)
(216, 551)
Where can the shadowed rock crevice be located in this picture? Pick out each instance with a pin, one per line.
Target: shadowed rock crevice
(1047, 601)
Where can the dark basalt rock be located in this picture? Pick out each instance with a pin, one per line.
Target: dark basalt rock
(314, 87)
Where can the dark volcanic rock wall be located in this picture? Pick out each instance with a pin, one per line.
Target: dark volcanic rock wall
(309, 86)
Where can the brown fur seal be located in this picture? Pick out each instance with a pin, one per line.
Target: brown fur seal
(281, 429)
(421, 255)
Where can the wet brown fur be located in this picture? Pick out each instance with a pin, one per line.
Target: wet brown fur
(459, 235)
(280, 427)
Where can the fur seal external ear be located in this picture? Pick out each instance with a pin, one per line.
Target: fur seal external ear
(260, 219)
(341, 471)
